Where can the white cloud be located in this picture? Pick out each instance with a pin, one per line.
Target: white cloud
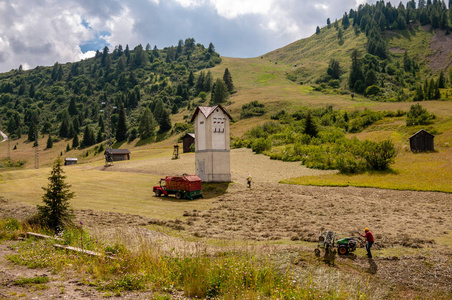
(234, 8)
(86, 55)
(42, 32)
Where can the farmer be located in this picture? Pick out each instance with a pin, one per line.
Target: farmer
(248, 180)
(370, 240)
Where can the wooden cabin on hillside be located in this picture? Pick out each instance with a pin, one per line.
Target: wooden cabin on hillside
(187, 141)
(70, 161)
(117, 154)
(422, 141)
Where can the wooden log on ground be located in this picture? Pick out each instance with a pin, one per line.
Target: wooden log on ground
(43, 236)
(75, 249)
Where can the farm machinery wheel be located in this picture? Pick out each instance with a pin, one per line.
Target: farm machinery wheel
(317, 252)
(158, 193)
(178, 195)
(342, 250)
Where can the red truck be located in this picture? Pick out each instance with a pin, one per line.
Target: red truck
(185, 186)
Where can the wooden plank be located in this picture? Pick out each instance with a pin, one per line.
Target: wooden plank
(84, 251)
(43, 236)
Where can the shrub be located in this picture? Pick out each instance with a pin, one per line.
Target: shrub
(372, 90)
(417, 115)
(379, 155)
(252, 109)
(260, 145)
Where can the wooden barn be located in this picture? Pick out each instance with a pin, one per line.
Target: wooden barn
(188, 140)
(422, 141)
(70, 161)
(117, 154)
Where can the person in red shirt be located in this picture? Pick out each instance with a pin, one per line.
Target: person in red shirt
(370, 240)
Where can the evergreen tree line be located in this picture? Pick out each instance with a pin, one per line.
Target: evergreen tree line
(66, 100)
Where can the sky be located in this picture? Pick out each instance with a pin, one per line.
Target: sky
(42, 32)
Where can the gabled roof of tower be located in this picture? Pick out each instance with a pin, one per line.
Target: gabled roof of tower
(208, 110)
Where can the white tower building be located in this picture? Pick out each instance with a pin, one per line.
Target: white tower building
(212, 143)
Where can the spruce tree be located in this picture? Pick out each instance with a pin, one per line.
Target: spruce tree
(227, 78)
(146, 126)
(219, 92)
(309, 126)
(165, 121)
(49, 142)
(56, 212)
(121, 131)
(75, 142)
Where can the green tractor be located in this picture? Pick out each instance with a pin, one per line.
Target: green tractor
(348, 244)
(328, 241)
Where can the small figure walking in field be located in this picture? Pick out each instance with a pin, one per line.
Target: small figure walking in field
(248, 180)
(370, 240)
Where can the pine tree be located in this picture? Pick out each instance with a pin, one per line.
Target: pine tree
(419, 95)
(227, 78)
(191, 79)
(317, 30)
(441, 80)
(208, 82)
(88, 139)
(56, 212)
(345, 21)
(146, 126)
(328, 23)
(165, 121)
(75, 142)
(121, 132)
(49, 142)
(356, 73)
(72, 109)
(309, 126)
(219, 93)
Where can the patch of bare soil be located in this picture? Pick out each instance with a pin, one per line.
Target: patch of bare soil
(441, 46)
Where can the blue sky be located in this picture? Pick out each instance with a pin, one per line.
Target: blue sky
(42, 32)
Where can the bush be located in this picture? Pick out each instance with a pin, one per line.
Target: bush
(379, 155)
(372, 90)
(252, 109)
(417, 115)
(348, 163)
(260, 145)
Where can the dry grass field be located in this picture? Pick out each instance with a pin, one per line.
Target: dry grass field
(281, 220)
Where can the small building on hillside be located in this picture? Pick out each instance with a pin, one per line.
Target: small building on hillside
(117, 154)
(212, 143)
(422, 141)
(187, 141)
(70, 161)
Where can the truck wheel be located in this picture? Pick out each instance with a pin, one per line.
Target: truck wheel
(178, 195)
(317, 252)
(158, 193)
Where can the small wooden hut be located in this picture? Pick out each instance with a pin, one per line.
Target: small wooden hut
(187, 141)
(422, 141)
(117, 154)
(70, 161)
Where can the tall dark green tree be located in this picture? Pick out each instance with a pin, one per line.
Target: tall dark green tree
(56, 212)
(49, 142)
(121, 131)
(72, 109)
(310, 128)
(88, 137)
(165, 121)
(220, 92)
(146, 127)
(75, 142)
(356, 72)
(227, 78)
(334, 69)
